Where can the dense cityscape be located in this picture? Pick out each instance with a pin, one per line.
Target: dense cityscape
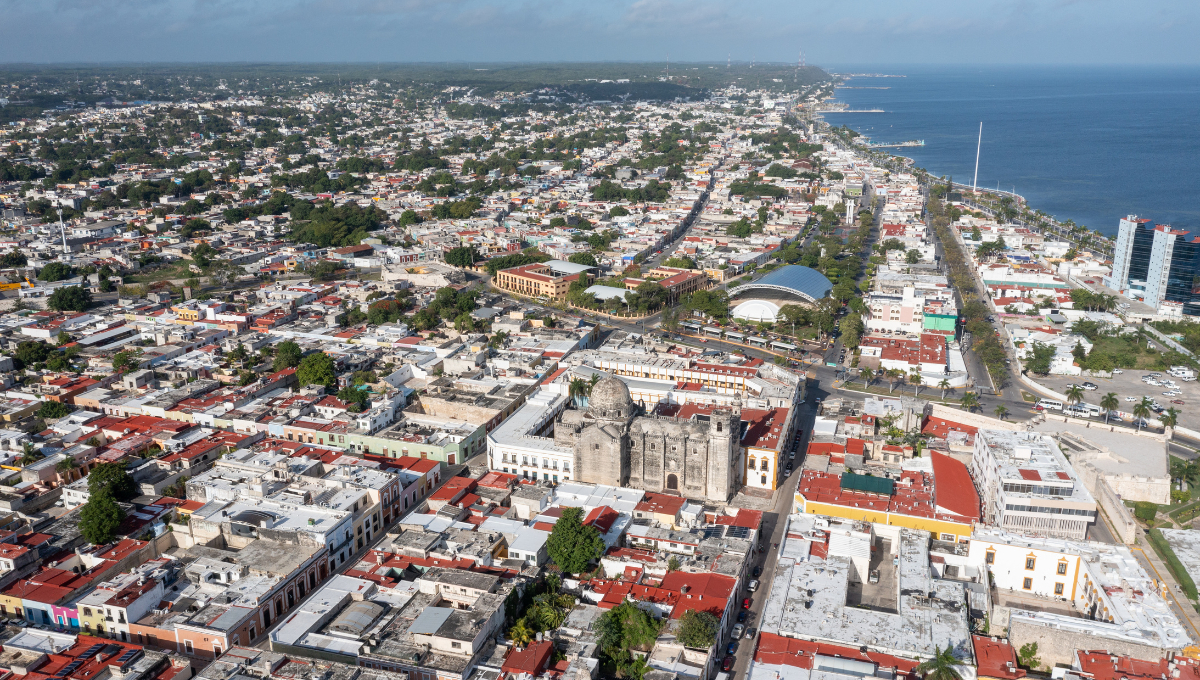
(570, 374)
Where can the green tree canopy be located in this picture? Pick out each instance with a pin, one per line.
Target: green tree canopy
(698, 629)
(52, 410)
(317, 369)
(100, 518)
(625, 627)
(70, 299)
(572, 546)
(55, 271)
(129, 360)
(464, 256)
(585, 259)
(287, 355)
(30, 352)
(112, 480)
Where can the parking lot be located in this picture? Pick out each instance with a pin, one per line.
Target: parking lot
(1129, 384)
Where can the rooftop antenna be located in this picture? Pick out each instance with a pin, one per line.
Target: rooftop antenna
(978, 146)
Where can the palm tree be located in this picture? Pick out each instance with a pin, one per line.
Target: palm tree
(867, 375)
(577, 391)
(1074, 394)
(969, 401)
(30, 455)
(914, 377)
(520, 634)
(901, 377)
(1109, 403)
(1169, 419)
(1141, 411)
(944, 385)
(1001, 411)
(941, 666)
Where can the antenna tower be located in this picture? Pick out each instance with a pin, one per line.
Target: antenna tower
(978, 146)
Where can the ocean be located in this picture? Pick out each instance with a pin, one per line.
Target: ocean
(1084, 143)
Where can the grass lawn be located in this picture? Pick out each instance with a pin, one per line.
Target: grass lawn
(175, 270)
(1032, 398)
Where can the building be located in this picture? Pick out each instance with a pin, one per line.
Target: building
(762, 300)
(700, 457)
(931, 494)
(546, 279)
(1027, 485)
(1086, 594)
(242, 663)
(1156, 263)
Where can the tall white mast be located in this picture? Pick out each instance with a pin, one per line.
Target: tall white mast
(66, 254)
(978, 146)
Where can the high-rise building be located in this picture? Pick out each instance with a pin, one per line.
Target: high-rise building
(1157, 263)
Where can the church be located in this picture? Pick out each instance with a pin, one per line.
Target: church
(614, 445)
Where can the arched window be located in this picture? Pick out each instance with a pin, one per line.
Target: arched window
(672, 482)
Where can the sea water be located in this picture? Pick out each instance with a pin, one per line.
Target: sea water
(1090, 144)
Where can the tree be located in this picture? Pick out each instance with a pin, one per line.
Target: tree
(55, 271)
(317, 369)
(1027, 656)
(914, 377)
(64, 466)
(944, 385)
(625, 627)
(679, 262)
(520, 634)
(30, 455)
(52, 410)
(578, 390)
(1042, 356)
(1141, 411)
(14, 258)
(867, 376)
(287, 355)
(1074, 394)
(70, 299)
(697, 629)
(572, 546)
(586, 259)
(463, 257)
(127, 360)
(673, 564)
(112, 480)
(913, 256)
(99, 519)
(941, 666)
(970, 401)
(1109, 403)
(1169, 418)
(203, 254)
(63, 338)
(1001, 411)
(31, 352)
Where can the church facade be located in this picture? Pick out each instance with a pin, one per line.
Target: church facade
(614, 445)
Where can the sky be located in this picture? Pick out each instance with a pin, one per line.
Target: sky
(861, 32)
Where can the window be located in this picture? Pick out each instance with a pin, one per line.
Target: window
(765, 467)
(456, 645)
(1062, 567)
(1058, 589)
(752, 464)
(187, 647)
(1027, 583)
(1030, 562)
(991, 557)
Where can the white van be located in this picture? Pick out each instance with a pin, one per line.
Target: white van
(1050, 404)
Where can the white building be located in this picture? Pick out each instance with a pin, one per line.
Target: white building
(1116, 604)
(523, 444)
(1027, 485)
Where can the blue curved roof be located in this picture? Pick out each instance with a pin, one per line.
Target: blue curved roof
(805, 281)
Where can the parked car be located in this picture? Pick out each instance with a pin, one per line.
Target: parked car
(874, 576)
(751, 632)
(732, 648)
(1117, 371)
(746, 603)
(1177, 401)
(757, 572)
(752, 586)
(727, 664)
(738, 631)
(741, 617)
(1090, 386)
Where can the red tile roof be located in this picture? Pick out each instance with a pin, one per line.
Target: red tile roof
(952, 487)
(994, 657)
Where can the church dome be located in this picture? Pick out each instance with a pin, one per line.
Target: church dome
(609, 398)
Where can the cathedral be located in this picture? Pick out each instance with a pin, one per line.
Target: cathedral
(614, 445)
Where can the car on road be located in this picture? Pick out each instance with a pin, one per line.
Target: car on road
(746, 603)
(1090, 386)
(788, 470)
(752, 586)
(738, 631)
(757, 572)
(727, 663)
(741, 617)
(732, 648)
(1177, 401)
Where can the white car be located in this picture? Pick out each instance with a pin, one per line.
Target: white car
(1130, 398)
(1117, 371)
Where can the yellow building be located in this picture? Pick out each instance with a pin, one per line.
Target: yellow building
(545, 279)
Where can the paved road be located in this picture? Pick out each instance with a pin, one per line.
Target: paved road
(774, 525)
